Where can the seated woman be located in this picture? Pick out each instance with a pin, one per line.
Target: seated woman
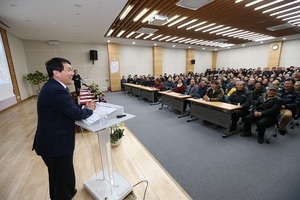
(215, 92)
(180, 87)
(158, 85)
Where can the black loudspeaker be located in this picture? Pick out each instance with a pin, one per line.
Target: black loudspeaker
(193, 61)
(93, 55)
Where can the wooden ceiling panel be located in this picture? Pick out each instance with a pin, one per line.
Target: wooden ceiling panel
(220, 12)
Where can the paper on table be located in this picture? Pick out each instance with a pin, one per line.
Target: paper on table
(100, 109)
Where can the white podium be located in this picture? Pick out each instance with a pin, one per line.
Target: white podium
(107, 183)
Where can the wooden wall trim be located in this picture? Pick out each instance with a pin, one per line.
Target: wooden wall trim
(214, 60)
(10, 65)
(157, 61)
(113, 57)
(274, 54)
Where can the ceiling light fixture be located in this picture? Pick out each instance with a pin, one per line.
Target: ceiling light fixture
(178, 39)
(199, 24)
(282, 6)
(189, 22)
(218, 30)
(164, 38)
(139, 35)
(292, 13)
(286, 10)
(151, 15)
(148, 36)
(140, 14)
(230, 33)
(173, 38)
(171, 19)
(233, 29)
(110, 32)
(263, 39)
(156, 37)
(238, 1)
(213, 28)
(121, 33)
(177, 21)
(130, 34)
(203, 27)
(285, 19)
(252, 3)
(267, 4)
(126, 12)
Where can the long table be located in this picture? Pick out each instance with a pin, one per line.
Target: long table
(174, 100)
(141, 91)
(219, 113)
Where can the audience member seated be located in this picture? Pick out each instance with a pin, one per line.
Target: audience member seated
(243, 97)
(158, 85)
(129, 79)
(264, 112)
(258, 91)
(169, 83)
(123, 80)
(202, 89)
(191, 90)
(251, 84)
(215, 92)
(180, 87)
(291, 101)
(297, 86)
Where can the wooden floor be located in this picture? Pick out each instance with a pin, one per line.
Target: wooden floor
(23, 175)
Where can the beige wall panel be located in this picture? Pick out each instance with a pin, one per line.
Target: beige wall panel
(274, 54)
(214, 60)
(30, 44)
(37, 58)
(113, 55)
(157, 61)
(190, 55)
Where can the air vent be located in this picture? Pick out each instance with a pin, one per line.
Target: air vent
(147, 30)
(221, 40)
(53, 42)
(158, 20)
(193, 4)
(280, 27)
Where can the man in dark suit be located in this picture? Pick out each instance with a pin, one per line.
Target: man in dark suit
(77, 82)
(54, 140)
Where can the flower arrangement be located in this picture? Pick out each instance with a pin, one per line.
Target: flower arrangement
(94, 88)
(116, 133)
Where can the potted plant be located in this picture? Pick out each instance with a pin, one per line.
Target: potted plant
(116, 134)
(94, 88)
(36, 78)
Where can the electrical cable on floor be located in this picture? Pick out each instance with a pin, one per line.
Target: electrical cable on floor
(145, 188)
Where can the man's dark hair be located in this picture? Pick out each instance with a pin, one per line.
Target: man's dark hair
(55, 64)
(290, 79)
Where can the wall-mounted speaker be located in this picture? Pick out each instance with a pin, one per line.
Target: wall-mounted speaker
(193, 61)
(93, 55)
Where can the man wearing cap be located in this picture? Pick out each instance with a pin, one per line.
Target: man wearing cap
(264, 112)
(291, 101)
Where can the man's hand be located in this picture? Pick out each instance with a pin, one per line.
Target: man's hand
(90, 105)
(257, 114)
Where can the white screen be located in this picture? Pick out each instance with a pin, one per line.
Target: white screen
(6, 87)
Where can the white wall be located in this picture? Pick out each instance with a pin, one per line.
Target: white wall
(203, 61)
(247, 57)
(135, 60)
(20, 65)
(38, 52)
(290, 54)
(173, 61)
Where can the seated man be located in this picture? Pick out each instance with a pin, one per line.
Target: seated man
(291, 101)
(202, 89)
(264, 112)
(243, 97)
(191, 90)
(215, 92)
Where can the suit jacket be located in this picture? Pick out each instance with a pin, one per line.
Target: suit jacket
(57, 112)
(192, 91)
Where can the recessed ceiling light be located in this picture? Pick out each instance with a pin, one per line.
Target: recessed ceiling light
(173, 45)
(133, 42)
(108, 41)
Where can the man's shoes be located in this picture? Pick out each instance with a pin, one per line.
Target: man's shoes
(260, 140)
(245, 134)
(282, 132)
